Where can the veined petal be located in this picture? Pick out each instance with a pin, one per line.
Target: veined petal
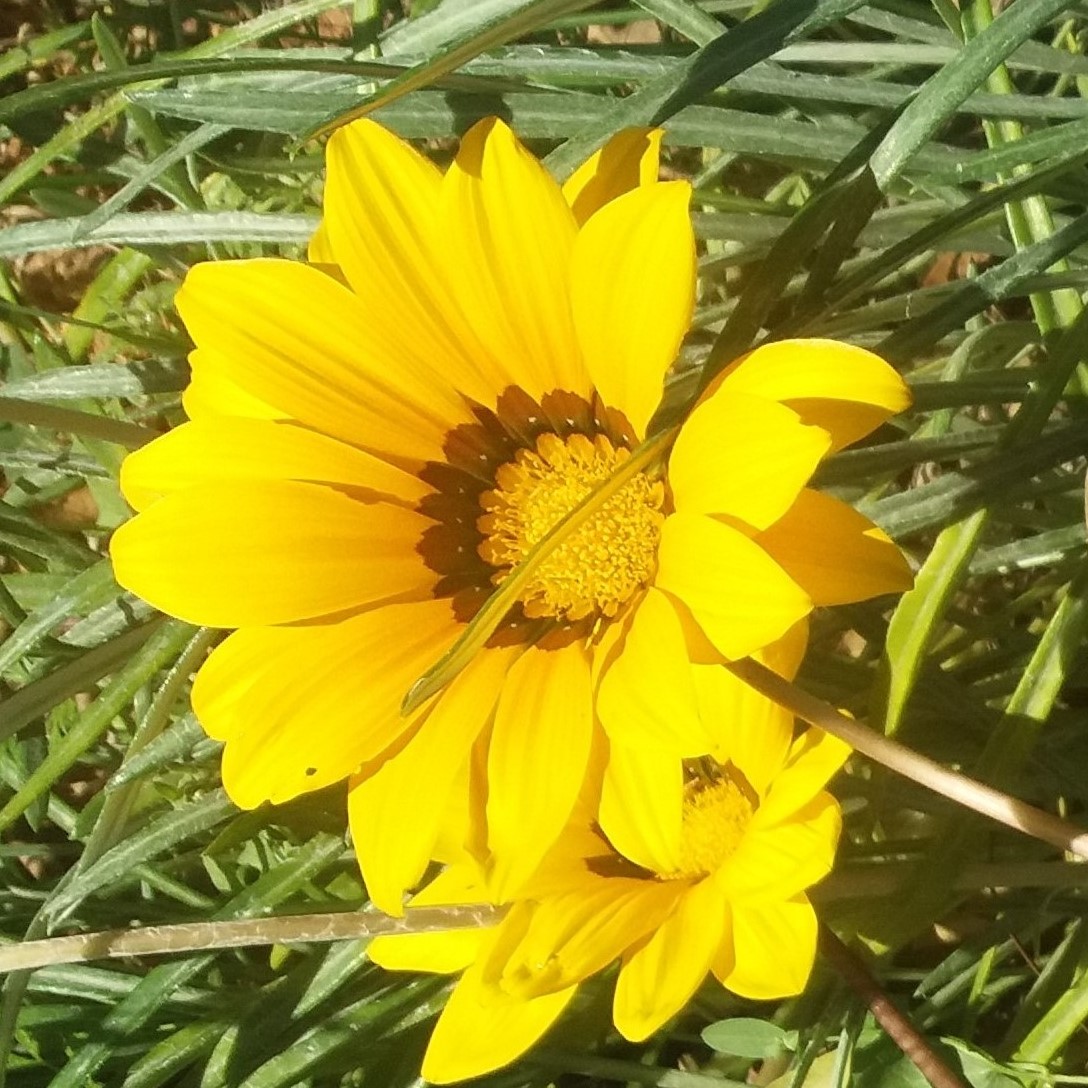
(774, 949)
(737, 593)
(659, 977)
(381, 219)
(211, 394)
(562, 939)
(814, 759)
(508, 236)
(236, 448)
(750, 730)
(834, 553)
(743, 456)
(537, 761)
(633, 289)
(268, 551)
(774, 863)
(301, 707)
(647, 695)
(394, 834)
(481, 1030)
(843, 388)
(300, 341)
(642, 804)
(630, 159)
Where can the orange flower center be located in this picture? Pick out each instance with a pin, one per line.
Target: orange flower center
(602, 563)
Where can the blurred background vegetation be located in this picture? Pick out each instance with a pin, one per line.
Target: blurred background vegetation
(905, 174)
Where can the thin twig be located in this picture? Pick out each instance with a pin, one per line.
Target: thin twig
(957, 787)
(241, 933)
(895, 1024)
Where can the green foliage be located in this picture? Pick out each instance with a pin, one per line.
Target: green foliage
(907, 175)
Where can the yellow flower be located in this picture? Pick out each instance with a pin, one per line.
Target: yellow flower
(707, 875)
(378, 436)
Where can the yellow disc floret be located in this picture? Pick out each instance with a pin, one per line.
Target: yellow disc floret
(715, 818)
(600, 565)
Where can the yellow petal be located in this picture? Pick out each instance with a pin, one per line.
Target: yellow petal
(381, 219)
(319, 250)
(774, 949)
(774, 863)
(393, 832)
(633, 289)
(814, 759)
(750, 730)
(659, 977)
(442, 952)
(301, 342)
(480, 1031)
(508, 236)
(738, 595)
(642, 805)
(211, 394)
(843, 388)
(743, 456)
(835, 553)
(268, 551)
(240, 449)
(647, 695)
(630, 158)
(565, 938)
(301, 707)
(537, 761)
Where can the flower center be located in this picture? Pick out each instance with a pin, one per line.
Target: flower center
(601, 564)
(715, 818)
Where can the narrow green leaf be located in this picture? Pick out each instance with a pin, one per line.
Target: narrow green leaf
(160, 229)
(942, 93)
(128, 192)
(74, 132)
(492, 23)
(685, 17)
(157, 986)
(86, 590)
(914, 621)
(164, 834)
(81, 674)
(164, 645)
(127, 380)
(708, 68)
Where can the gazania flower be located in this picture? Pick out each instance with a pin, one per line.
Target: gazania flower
(706, 875)
(377, 438)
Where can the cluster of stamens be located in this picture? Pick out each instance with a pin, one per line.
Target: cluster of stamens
(600, 565)
(715, 817)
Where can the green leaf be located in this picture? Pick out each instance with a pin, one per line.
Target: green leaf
(745, 1037)
(467, 29)
(160, 229)
(128, 380)
(705, 70)
(119, 864)
(164, 645)
(86, 590)
(942, 93)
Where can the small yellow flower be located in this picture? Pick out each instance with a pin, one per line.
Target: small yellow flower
(706, 875)
(377, 438)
